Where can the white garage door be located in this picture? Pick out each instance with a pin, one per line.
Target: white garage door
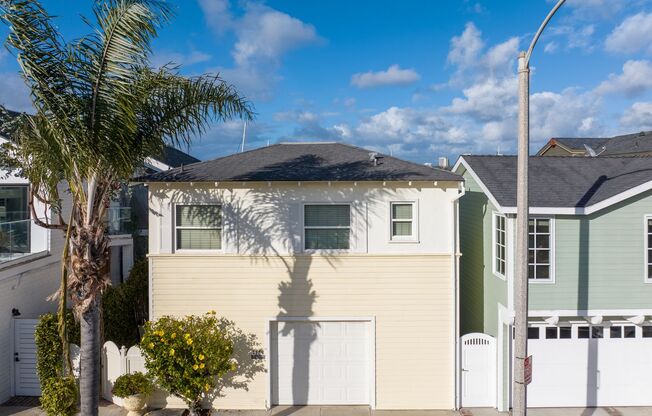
(320, 363)
(612, 367)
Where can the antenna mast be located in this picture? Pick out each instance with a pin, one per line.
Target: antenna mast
(244, 136)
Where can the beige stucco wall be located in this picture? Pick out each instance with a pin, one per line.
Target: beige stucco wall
(410, 296)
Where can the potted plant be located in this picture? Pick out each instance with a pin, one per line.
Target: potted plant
(134, 389)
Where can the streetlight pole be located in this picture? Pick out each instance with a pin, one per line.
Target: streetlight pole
(519, 406)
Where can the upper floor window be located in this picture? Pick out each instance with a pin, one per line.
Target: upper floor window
(403, 221)
(540, 249)
(648, 248)
(327, 226)
(15, 223)
(500, 244)
(198, 227)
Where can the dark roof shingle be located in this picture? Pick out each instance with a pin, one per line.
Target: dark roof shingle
(558, 181)
(303, 162)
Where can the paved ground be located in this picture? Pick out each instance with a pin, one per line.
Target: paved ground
(108, 409)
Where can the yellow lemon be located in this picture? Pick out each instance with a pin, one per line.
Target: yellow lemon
(201, 365)
(151, 345)
(174, 335)
(172, 351)
(189, 342)
(194, 367)
(186, 336)
(201, 357)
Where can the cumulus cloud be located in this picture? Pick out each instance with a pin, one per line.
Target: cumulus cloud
(394, 75)
(635, 80)
(465, 47)
(637, 117)
(634, 34)
(263, 36)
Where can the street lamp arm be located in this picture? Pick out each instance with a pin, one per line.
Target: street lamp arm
(536, 35)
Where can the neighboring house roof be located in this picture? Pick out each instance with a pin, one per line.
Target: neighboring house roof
(628, 144)
(579, 185)
(174, 157)
(304, 162)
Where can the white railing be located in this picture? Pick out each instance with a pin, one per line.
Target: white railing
(14, 239)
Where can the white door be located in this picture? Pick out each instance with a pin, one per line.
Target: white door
(25, 376)
(589, 372)
(320, 363)
(478, 370)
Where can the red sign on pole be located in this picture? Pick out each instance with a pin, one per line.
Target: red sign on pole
(528, 370)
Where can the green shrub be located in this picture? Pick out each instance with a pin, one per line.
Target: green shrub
(186, 356)
(130, 384)
(125, 307)
(59, 396)
(49, 351)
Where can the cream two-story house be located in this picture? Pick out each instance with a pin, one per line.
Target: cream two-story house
(342, 262)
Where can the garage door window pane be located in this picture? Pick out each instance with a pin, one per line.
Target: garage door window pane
(551, 333)
(583, 332)
(327, 227)
(647, 332)
(629, 331)
(565, 332)
(533, 333)
(616, 332)
(597, 332)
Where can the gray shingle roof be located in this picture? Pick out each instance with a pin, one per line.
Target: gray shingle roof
(175, 157)
(627, 144)
(568, 182)
(303, 162)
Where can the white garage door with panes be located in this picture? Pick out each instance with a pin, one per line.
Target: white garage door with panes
(587, 366)
(321, 363)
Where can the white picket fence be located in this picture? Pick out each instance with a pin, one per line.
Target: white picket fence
(115, 362)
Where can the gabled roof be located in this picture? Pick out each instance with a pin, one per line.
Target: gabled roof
(174, 157)
(304, 162)
(572, 185)
(627, 144)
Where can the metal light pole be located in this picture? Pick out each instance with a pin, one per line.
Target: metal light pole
(519, 405)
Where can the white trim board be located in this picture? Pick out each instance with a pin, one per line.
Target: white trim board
(372, 347)
(557, 210)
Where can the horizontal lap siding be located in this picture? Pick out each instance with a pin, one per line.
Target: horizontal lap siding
(410, 296)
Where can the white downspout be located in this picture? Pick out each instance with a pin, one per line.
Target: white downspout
(455, 274)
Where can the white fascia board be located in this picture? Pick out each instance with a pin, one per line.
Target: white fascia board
(588, 312)
(476, 178)
(157, 164)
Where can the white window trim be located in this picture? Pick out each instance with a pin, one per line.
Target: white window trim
(326, 250)
(414, 238)
(494, 242)
(646, 278)
(197, 250)
(551, 279)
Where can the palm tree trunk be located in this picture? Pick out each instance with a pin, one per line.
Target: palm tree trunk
(89, 385)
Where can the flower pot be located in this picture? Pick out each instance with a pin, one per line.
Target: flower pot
(135, 404)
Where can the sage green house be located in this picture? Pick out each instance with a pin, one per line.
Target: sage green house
(590, 274)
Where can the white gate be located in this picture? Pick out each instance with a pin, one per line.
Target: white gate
(478, 370)
(26, 380)
(113, 366)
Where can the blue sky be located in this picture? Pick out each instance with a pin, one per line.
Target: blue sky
(418, 79)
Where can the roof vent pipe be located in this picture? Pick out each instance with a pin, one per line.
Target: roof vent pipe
(443, 162)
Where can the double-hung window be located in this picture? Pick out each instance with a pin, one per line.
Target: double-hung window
(648, 248)
(327, 226)
(198, 227)
(403, 221)
(500, 244)
(540, 249)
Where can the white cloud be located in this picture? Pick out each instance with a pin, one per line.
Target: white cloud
(14, 94)
(263, 36)
(466, 47)
(551, 47)
(637, 117)
(635, 79)
(632, 35)
(394, 75)
(488, 100)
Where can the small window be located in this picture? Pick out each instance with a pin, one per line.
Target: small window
(500, 244)
(198, 227)
(565, 332)
(616, 332)
(647, 332)
(327, 227)
(540, 251)
(583, 332)
(533, 332)
(597, 332)
(403, 227)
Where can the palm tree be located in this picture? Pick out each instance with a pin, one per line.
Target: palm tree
(100, 110)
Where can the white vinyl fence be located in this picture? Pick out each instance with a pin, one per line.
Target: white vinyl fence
(115, 362)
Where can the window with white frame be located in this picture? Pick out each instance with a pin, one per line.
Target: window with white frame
(327, 226)
(403, 225)
(540, 249)
(500, 244)
(198, 227)
(648, 248)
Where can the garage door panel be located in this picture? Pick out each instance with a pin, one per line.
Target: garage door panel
(326, 363)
